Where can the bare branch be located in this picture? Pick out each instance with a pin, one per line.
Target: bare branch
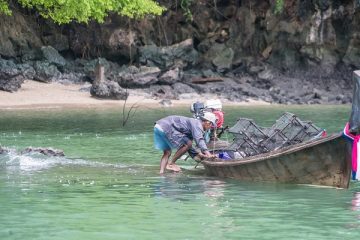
(131, 112)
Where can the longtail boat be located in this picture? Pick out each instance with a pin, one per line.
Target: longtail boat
(325, 161)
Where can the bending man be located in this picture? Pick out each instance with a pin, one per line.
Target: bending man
(177, 132)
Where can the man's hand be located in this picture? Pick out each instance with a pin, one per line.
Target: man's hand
(207, 154)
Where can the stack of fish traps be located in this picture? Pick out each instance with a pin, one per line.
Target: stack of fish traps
(251, 139)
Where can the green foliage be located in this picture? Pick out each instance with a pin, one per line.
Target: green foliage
(65, 11)
(185, 6)
(279, 6)
(4, 7)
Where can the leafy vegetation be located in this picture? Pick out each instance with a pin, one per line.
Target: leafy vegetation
(65, 11)
(185, 6)
(279, 6)
(4, 8)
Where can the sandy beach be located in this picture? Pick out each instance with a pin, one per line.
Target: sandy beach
(33, 94)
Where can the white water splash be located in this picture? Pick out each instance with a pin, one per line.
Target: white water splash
(36, 162)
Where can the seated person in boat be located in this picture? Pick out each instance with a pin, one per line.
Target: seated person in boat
(215, 106)
(177, 132)
(211, 136)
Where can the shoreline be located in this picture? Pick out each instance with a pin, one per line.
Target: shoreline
(38, 95)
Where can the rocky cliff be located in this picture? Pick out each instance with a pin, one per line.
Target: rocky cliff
(300, 51)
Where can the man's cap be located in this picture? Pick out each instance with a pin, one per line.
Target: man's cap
(208, 116)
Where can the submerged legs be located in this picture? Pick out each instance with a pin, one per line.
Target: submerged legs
(170, 165)
(181, 151)
(164, 160)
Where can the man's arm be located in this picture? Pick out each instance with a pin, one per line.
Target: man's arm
(198, 135)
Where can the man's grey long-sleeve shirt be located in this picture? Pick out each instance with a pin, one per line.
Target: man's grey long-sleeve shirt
(178, 128)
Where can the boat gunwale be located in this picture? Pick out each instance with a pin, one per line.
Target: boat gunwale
(272, 154)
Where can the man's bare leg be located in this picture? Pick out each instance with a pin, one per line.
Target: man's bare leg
(181, 151)
(164, 160)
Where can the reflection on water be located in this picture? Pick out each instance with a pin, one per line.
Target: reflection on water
(179, 187)
(355, 206)
(214, 188)
(355, 202)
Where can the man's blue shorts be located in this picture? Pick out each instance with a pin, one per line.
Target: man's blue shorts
(160, 140)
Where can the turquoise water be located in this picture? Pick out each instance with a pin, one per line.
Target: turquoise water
(108, 186)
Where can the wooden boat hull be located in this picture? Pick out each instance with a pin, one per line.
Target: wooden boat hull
(325, 161)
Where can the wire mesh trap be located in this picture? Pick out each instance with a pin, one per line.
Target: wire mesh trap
(251, 139)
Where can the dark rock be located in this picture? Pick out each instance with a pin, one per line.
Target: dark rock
(191, 74)
(210, 73)
(309, 45)
(57, 40)
(89, 66)
(170, 77)
(284, 58)
(18, 34)
(8, 69)
(108, 90)
(52, 56)
(315, 101)
(223, 89)
(122, 41)
(3, 150)
(13, 75)
(27, 71)
(32, 55)
(204, 46)
(46, 151)
(256, 68)
(179, 55)
(46, 72)
(181, 88)
(138, 77)
(317, 94)
(329, 62)
(220, 56)
(346, 100)
(162, 92)
(87, 69)
(112, 40)
(352, 54)
(339, 97)
(166, 103)
(266, 75)
(323, 4)
(223, 59)
(11, 85)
